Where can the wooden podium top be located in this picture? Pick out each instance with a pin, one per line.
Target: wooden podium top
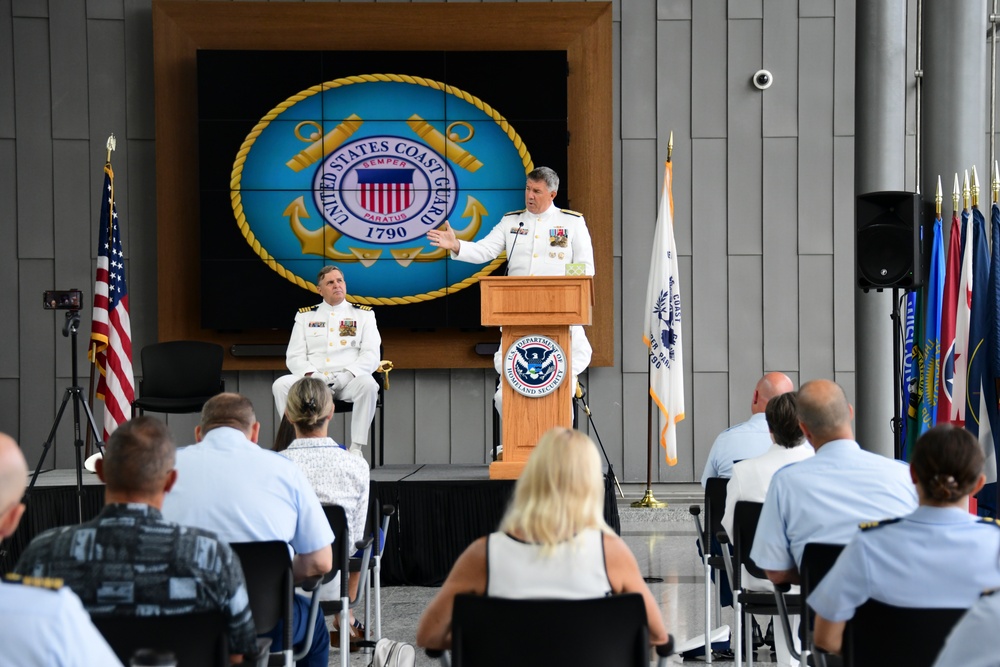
(537, 300)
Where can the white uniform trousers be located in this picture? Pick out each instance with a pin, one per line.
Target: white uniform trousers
(362, 391)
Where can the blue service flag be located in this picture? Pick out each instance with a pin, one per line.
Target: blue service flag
(934, 294)
(978, 321)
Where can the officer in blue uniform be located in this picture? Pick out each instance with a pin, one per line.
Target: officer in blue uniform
(42, 624)
(974, 641)
(939, 556)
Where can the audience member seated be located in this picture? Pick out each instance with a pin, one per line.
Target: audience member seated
(553, 542)
(227, 484)
(337, 477)
(750, 481)
(42, 624)
(974, 641)
(129, 560)
(823, 498)
(939, 556)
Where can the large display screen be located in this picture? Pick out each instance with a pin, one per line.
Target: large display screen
(309, 158)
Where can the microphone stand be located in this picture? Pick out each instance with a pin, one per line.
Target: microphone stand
(578, 396)
(520, 226)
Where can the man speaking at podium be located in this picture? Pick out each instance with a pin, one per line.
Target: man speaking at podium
(539, 240)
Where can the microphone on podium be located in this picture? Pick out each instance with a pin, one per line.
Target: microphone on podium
(520, 226)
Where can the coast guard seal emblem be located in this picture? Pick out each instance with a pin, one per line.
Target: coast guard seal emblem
(356, 170)
(534, 366)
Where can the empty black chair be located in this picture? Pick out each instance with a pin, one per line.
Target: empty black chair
(883, 634)
(818, 559)
(196, 640)
(179, 377)
(498, 632)
(715, 507)
(342, 551)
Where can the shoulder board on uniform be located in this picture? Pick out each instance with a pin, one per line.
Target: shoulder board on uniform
(991, 520)
(988, 592)
(360, 307)
(569, 212)
(514, 212)
(869, 525)
(308, 308)
(51, 583)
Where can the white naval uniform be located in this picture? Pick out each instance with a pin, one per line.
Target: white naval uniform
(534, 247)
(332, 339)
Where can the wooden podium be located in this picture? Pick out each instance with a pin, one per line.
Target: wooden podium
(534, 306)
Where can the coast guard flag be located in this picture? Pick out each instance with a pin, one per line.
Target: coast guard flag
(933, 292)
(975, 416)
(111, 333)
(662, 327)
(949, 309)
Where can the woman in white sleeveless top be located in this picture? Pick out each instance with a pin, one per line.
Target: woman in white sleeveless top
(553, 542)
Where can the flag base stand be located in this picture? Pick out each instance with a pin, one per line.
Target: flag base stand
(76, 393)
(649, 501)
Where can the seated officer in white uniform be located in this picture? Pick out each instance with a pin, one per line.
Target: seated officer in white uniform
(825, 497)
(539, 240)
(42, 624)
(340, 342)
(940, 556)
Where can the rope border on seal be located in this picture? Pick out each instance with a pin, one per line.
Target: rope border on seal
(274, 265)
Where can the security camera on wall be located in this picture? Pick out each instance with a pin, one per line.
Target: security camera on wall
(762, 79)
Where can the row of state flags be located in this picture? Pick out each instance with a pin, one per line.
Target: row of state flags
(951, 337)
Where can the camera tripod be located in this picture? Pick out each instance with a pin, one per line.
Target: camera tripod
(76, 393)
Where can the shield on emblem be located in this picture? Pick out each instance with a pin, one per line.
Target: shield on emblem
(385, 191)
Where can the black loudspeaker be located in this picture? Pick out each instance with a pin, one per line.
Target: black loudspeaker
(887, 240)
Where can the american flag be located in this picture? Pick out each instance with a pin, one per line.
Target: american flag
(111, 334)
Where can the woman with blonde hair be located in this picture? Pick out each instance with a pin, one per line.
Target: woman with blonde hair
(553, 542)
(337, 476)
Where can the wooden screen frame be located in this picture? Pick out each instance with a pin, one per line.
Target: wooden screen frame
(180, 28)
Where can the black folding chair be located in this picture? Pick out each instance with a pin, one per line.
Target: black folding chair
(777, 603)
(883, 634)
(498, 632)
(196, 640)
(715, 507)
(342, 550)
(179, 377)
(818, 558)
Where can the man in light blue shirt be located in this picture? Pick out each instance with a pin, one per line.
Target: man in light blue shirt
(42, 624)
(824, 498)
(226, 483)
(750, 438)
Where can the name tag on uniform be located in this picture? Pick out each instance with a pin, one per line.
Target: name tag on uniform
(317, 325)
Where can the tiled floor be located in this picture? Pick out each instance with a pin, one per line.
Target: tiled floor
(663, 542)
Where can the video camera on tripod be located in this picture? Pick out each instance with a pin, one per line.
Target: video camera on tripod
(71, 301)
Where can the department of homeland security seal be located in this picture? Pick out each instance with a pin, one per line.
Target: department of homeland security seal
(534, 366)
(355, 171)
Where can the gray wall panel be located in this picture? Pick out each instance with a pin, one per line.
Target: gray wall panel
(843, 69)
(746, 319)
(639, 203)
(781, 58)
(604, 396)
(745, 9)
(638, 91)
(182, 426)
(635, 389)
(10, 399)
(816, 7)
(673, 48)
(673, 9)
(30, 8)
(816, 136)
(708, 312)
(105, 53)
(781, 302)
(138, 64)
(710, 390)
(37, 333)
(256, 385)
(708, 52)
(68, 35)
(105, 9)
(816, 316)
(400, 416)
(6, 71)
(433, 417)
(843, 258)
(744, 158)
(9, 330)
(846, 381)
(33, 125)
(467, 416)
(73, 219)
(141, 242)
